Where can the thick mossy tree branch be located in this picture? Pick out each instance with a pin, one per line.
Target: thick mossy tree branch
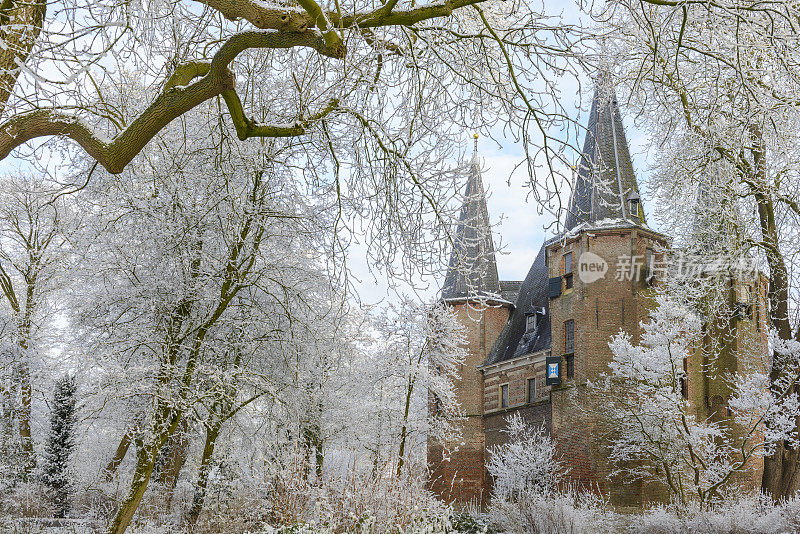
(407, 17)
(193, 83)
(264, 16)
(247, 128)
(332, 39)
(185, 73)
(180, 95)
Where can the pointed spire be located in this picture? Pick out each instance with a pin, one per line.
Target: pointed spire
(605, 185)
(473, 268)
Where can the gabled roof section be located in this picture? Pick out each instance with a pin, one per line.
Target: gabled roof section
(605, 181)
(509, 289)
(515, 339)
(473, 269)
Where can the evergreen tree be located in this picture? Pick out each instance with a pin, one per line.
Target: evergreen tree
(60, 445)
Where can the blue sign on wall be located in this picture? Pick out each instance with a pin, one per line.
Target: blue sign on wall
(553, 371)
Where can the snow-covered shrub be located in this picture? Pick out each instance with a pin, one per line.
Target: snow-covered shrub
(525, 465)
(353, 499)
(26, 499)
(527, 497)
(743, 514)
(441, 520)
(572, 512)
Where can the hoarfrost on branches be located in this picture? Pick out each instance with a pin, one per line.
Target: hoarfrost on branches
(526, 465)
(655, 434)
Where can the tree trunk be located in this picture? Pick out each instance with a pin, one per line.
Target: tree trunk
(173, 457)
(312, 446)
(26, 393)
(780, 475)
(404, 430)
(24, 415)
(145, 461)
(122, 450)
(141, 477)
(202, 478)
(20, 24)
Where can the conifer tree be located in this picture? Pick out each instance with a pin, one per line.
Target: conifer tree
(60, 445)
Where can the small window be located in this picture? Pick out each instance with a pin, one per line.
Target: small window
(634, 201)
(530, 322)
(531, 389)
(568, 271)
(649, 265)
(570, 358)
(504, 396)
(569, 336)
(634, 207)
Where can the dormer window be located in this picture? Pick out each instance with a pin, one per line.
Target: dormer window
(633, 204)
(568, 271)
(531, 321)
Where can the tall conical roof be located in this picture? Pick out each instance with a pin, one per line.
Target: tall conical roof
(473, 269)
(605, 181)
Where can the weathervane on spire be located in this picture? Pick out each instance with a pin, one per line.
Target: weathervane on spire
(475, 136)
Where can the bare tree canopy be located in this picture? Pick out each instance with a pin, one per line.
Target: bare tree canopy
(283, 69)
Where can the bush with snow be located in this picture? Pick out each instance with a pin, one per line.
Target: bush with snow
(526, 497)
(525, 465)
(735, 515)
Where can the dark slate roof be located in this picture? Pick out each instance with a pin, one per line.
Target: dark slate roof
(605, 170)
(513, 340)
(473, 269)
(509, 289)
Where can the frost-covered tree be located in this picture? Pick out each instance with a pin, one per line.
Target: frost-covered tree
(716, 84)
(57, 472)
(414, 358)
(32, 250)
(654, 435)
(525, 465)
(528, 494)
(193, 267)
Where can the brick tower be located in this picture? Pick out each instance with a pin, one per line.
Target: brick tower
(571, 303)
(482, 303)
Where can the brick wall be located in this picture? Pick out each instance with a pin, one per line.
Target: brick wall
(599, 309)
(456, 470)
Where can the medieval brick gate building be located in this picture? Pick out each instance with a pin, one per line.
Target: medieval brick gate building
(561, 319)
